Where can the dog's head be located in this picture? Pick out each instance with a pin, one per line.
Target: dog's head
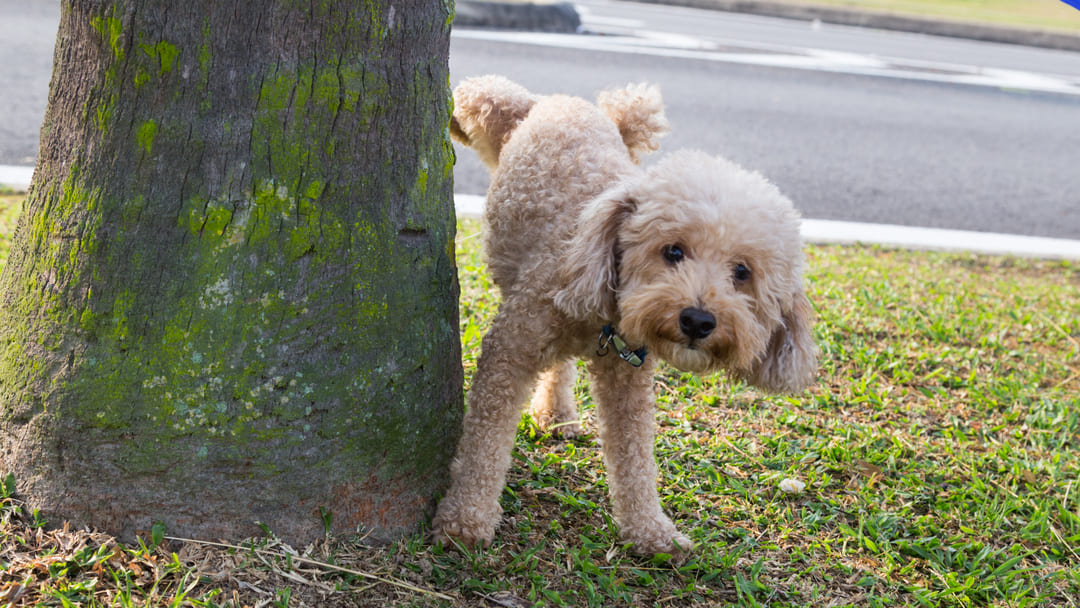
(700, 261)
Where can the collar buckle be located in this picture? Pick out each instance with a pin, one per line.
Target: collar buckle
(608, 339)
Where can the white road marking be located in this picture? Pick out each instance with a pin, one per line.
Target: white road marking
(659, 44)
(601, 20)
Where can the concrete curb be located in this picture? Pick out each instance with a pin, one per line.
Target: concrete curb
(555, 17)
(887, 21)
(814, 231)
(888, 235)
(939, 239)
(15, 177)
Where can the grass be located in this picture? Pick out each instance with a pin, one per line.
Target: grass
(10, 206)
(1035, 14)
(940, 450)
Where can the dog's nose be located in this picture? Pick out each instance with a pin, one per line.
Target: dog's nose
(696, 323)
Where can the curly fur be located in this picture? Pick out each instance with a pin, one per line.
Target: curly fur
(638, 112)
(576, 238)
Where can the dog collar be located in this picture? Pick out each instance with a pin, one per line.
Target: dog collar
(609, 338)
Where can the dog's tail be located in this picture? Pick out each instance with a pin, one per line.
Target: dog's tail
(487, 109)
(638, 111)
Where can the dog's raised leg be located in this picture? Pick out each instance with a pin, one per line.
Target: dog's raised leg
(553, 407)
(627, 427)
(504, 375)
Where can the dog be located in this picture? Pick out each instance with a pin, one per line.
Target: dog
(693, 260)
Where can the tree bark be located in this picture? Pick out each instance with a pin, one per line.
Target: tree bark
(232, 296)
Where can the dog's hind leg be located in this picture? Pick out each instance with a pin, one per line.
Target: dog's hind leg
(625, 411)
(504, 376)
(553, 407)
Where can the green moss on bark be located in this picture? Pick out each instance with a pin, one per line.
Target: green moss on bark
(146, 134)
(110, 29)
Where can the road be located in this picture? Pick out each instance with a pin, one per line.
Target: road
(27, 34)
(852, 124)
(860, 140)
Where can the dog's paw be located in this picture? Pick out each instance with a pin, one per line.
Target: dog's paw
(664, 539)
(452, 528)
(563, 424)
(453, 534)
(560, 423)
(564, 430)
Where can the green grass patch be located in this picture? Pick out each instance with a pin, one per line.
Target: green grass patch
(10, 207)
(1033, 14)
(940, 449)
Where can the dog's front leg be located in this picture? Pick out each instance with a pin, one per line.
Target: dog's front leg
(509, 362)
(627, 426)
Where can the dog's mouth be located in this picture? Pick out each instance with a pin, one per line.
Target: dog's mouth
(710, 353)
(716, 344)
(696, 355)
(731, 344)
(718, 350)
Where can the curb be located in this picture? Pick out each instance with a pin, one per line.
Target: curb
(15, 177)
(815, 231)
(887, 21)
(831, 232)
(554, 17)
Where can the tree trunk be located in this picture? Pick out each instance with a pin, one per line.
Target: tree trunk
(232, 297)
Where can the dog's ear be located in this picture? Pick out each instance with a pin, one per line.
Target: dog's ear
(590, 270)
(790, 361)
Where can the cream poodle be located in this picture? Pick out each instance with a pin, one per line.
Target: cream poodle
(693, 260)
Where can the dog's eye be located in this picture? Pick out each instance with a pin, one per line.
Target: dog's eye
(673, 254)
(741, 273)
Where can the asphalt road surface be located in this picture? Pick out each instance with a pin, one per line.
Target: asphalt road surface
(852, 124)
(27, 35)
(896, 136)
